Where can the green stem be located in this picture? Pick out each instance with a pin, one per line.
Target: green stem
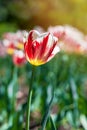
(29, 100)
(44, 120)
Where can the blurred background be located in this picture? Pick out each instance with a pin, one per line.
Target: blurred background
(25, 14)
(67, 72)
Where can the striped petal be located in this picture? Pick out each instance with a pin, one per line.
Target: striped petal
(40, 48)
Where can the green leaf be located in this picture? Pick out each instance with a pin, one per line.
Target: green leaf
(53, 127)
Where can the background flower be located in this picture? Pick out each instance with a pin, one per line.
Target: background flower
(19, 58)
(71, 40)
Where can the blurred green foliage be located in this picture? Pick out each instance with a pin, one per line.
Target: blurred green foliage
(67, 73)
(7, 27)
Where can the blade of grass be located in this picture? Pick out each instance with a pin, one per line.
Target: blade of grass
(52, 123)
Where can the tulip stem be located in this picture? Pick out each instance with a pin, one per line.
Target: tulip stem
(29, 100)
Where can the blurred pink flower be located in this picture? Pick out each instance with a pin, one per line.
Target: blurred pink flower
(19, 58)
(70, 39)
(10, 46)
(16, 36)
(13, 41)
(57, 31)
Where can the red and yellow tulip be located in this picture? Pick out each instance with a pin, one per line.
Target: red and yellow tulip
(40, 48)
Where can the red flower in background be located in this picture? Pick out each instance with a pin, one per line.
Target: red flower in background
(10, 46)
(14, 45)
(13, 41)
(19, 58)
(40, 48)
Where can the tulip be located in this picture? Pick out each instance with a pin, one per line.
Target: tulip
(10, 46)
(13, 41)
(19, 58)
(17, 36)
(57, 31)
(40, 48)
(71, 40)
